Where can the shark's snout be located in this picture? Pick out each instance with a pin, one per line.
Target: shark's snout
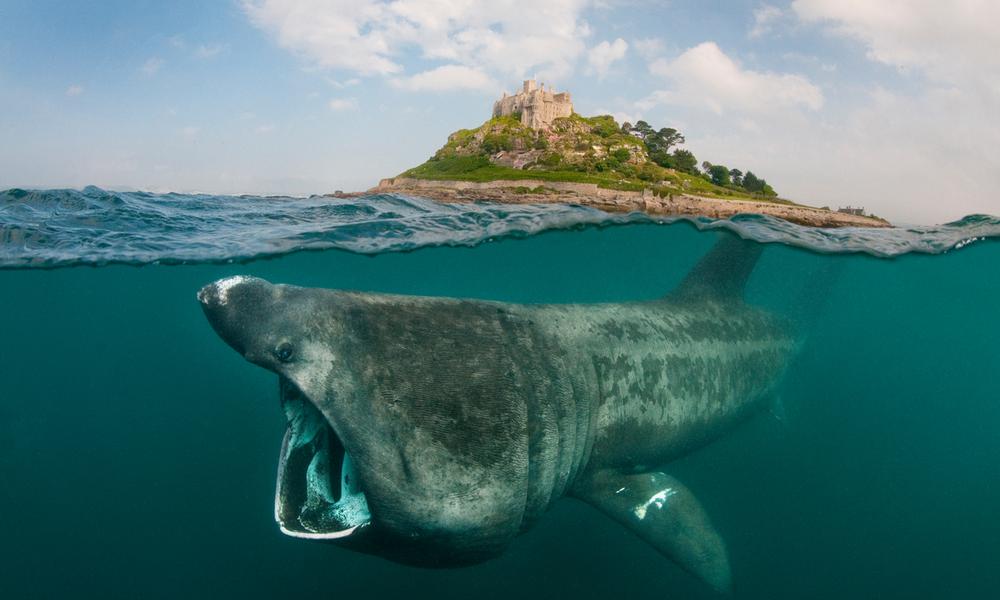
(231, 306)
(208, 295)
(319, 494)
(217, 293)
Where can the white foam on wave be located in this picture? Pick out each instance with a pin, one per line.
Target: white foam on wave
(142, 228)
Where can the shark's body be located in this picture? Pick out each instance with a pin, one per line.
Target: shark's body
(452, 425)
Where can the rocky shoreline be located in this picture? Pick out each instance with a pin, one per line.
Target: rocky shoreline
(532, 191)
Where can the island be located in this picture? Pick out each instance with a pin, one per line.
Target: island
(536, 149)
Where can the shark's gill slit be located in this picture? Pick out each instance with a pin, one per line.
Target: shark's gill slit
(318, 493)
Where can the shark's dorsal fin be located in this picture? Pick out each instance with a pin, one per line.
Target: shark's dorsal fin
(663, 512)
(721, 274)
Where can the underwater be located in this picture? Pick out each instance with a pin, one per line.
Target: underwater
(138, 453)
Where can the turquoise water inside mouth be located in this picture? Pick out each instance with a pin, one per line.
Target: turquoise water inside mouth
(138, 451)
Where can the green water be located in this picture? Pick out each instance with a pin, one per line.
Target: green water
(138, 452)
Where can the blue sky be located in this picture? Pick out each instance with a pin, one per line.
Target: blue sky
(892, 105)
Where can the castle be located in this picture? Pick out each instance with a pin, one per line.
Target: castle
(538, 107)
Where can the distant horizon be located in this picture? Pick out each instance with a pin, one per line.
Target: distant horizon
(890, 107)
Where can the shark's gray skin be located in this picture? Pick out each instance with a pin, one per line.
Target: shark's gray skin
(432, 431)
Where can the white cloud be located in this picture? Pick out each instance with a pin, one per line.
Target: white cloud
(704, 76)
(266, 128)
(341, 104)
(925, 152)
(911, 156)
(906, 158)
(649, 48)
(74, 90)
(206, 51)
(809, 60)
(448, 77)
(764, 18)
(953, 42)
(353, 81)
(190, 131)
(367, 37)
(922, 156)
(151, 66)
(177, 41)
(603, 55)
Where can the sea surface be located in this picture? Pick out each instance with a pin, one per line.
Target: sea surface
(138, 451)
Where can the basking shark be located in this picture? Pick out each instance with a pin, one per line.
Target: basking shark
(432, 431)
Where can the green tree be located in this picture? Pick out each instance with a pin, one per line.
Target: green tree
(736, 176)
(661, 158)
(643, 129)
(668, 137)
(660, 142)
(719, 175)
(684, 160)
(751, 183)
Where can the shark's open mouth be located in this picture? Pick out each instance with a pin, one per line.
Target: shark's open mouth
(318, 494)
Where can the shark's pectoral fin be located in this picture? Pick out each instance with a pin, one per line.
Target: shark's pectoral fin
(662, 511)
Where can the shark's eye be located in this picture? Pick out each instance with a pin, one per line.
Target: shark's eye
(284, 352)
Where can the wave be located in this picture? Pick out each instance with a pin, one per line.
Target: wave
(60, 228)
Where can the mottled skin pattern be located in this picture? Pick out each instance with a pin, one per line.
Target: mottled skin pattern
(467, 419)
(666, 376)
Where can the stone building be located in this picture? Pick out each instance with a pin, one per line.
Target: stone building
(852, 210)
(538, 106)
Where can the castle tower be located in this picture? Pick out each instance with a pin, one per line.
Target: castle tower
(537, 106)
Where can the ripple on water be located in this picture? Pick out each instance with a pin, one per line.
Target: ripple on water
(58, 228)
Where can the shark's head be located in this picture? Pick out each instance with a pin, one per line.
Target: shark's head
(368, 460)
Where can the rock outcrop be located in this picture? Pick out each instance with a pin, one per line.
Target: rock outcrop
(536, 191)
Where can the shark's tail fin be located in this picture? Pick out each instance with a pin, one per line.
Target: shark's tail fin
(722, 274)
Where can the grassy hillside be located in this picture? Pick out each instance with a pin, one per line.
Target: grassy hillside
(576, 149)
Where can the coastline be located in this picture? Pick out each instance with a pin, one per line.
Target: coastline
(533, 191)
